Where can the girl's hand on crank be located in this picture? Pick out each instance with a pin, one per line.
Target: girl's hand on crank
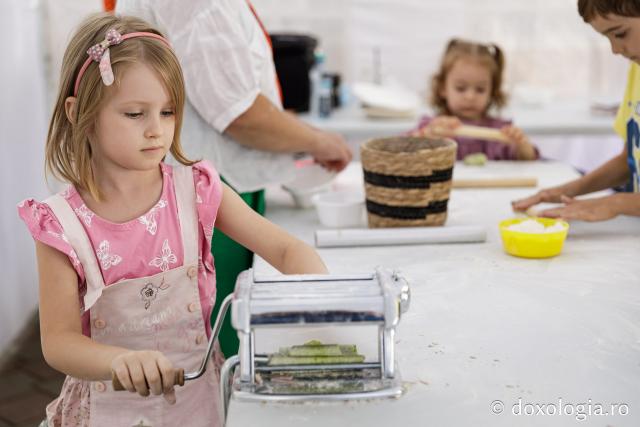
(145, 372)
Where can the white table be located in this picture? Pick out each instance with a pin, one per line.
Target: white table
(555, 119)
(485, 328)
(565, 132)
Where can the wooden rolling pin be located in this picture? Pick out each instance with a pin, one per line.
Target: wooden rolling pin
(479, 132)
(495, 182)
(117, 385)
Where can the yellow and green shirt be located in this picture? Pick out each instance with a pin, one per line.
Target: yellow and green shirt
(626, 125)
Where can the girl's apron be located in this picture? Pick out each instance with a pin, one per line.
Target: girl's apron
(160, 312)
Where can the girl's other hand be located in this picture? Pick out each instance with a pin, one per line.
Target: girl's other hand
(514, 134)
(524, 149)
(145, 372)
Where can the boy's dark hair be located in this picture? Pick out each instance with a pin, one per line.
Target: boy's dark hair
(589, 9)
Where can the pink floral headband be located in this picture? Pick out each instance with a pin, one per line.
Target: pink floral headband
(100, 54)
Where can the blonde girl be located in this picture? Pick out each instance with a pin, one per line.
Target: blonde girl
(463, 91)
(126, 276)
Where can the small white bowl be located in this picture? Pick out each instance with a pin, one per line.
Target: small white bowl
(309, 180)
(340, 209)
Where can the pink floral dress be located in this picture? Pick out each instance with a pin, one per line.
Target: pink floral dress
(149, 245)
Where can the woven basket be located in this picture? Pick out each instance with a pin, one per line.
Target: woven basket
(407, 180)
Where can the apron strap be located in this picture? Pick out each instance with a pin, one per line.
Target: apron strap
(187, 213)
(79, 241)
(266, 36)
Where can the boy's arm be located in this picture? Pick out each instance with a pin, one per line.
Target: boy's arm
(280, 249)
(613, 173)
(599, 209)
(627, 203)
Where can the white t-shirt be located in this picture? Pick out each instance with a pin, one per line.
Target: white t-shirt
(227, 62)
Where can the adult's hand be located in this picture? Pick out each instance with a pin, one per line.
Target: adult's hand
(331, 151)
(265, 127)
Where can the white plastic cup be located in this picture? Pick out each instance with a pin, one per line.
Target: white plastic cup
(340, 209)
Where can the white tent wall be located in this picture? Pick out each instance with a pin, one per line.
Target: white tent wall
(40, 30)
(549, 49)
(23, 113)
(547, 45)
(60, 19)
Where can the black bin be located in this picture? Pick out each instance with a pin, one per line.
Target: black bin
(293, 55)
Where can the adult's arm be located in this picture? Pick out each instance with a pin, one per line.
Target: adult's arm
(613, 173)
(223, 74)
(265, 127)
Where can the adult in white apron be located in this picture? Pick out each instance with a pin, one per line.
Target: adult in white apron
(233, 115)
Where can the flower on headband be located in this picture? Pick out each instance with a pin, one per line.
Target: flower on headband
(100, 53)
(96, 51)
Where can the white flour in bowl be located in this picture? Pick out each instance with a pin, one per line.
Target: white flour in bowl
(534, 227)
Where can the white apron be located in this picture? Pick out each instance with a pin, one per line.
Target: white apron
(160, 312)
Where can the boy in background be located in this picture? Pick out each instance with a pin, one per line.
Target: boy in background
(619, 21)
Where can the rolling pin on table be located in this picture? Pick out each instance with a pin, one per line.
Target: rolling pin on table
(509, 182)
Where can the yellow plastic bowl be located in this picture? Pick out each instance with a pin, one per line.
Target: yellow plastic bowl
(533, 245)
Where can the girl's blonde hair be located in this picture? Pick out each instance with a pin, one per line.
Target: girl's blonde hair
(68, 153)
(487, 54)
